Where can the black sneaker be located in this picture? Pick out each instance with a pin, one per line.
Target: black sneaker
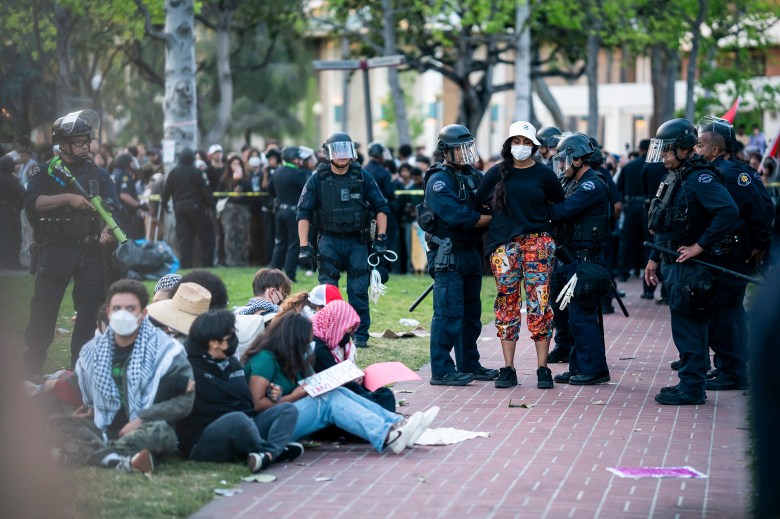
(507, 377)
(291, 451)
(723, 382)
(563, 378)
(544, 378)
(559, 354)
(454, 378)
(483, 373)
(678, 397)
(675, 365)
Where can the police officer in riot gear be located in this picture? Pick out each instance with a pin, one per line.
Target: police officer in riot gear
(285, 187)
(583, 227)
(344, 200)
(452, 219)
(69, 235)
(693, 214)
(547, 143)
(716, 138)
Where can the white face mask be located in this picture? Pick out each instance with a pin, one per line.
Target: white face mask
(123, 323)
(522, 152)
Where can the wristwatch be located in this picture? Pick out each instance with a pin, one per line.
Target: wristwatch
(381, 237)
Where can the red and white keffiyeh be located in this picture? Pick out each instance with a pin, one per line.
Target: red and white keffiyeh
(331, 324)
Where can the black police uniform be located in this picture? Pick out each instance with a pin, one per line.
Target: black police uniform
(131, 224)
(451, 194)
(629, 183)
(193, 205)
(653, 173)
(729, 323)
(286, 187)
(343, 205)
(693, 206)
(67, 246)
(586, 207)
(384, 180)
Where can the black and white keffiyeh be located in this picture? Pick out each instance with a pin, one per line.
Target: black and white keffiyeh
(255, 305)
(152, 357)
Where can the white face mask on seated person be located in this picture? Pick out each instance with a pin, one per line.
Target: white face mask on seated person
(123, 322)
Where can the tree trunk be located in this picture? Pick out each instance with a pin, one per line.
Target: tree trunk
(693, 59)
(592, 72)
(663, 74)
(399, 103)
(180, 109)
(523, 63)
(224, 78)
(548, 100)
(63, 24)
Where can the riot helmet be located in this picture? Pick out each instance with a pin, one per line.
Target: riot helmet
(544, 135)
(710, 123)
(457, 145)
(339, 145)
(671, 136)
(83, 122)
(574, 146)
(376, 150)
(290, 153)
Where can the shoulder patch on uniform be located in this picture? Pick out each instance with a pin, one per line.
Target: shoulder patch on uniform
(588, 185)
(34, 171)
(705, 178)
(743, 179)
(438, 185)
(757, 176)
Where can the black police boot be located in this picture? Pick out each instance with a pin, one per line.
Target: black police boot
(677, 397)
(483, 373)
(675, 365)
(723, 382)
(454, 378)
(589, 380)
(563, 378)
(558, 354)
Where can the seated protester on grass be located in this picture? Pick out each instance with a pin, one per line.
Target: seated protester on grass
(212, 283)
(175, 316)
(166, 287)
(270, 287)
(135, 383)
(309, 303)
(279, 359)
(223, 424)
(333, 326)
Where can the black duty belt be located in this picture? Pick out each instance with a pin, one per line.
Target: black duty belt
(638, 198)
(81, 243)
(287, 207)
(353, 234)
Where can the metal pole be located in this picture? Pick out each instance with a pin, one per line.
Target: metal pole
(367, 96)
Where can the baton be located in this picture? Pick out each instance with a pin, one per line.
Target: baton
(422, 296)
(676, 254)
(59, 172)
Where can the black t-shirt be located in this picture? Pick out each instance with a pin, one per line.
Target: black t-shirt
(118, 369)
(528, 192)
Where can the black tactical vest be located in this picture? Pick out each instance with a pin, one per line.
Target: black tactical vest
(467, 181)
(66, 223)
(343, 205)
(579, 230)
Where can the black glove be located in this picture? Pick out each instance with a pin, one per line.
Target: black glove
(306, 258)
(380, 247)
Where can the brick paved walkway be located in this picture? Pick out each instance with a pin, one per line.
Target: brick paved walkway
(546, 461)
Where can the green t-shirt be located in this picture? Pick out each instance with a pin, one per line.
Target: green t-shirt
(265, 365)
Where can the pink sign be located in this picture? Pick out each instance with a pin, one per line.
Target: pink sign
(656, 472)
(383, 373)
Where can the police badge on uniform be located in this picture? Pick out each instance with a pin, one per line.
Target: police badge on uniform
(743, 179)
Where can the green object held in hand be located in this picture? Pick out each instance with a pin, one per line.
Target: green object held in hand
(58, 170)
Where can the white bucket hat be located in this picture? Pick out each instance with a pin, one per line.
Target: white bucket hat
(523, 129)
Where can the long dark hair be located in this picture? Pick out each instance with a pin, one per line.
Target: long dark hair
(227, 173)
(288, 338)
(507, 161)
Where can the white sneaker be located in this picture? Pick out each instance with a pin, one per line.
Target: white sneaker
(427, 419)
(401, 432)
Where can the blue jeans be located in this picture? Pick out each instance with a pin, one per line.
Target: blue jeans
(236, 434)
(348, 411)
(456, 313)
(339, 254)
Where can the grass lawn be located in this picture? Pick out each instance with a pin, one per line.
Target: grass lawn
(178, 487)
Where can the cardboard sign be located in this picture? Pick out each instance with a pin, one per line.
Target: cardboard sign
(331, 378)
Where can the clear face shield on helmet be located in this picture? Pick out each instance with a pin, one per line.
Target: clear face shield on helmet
(462, 154)
(340, 150)
(562, 162)
(657, 149)
(73, 123)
